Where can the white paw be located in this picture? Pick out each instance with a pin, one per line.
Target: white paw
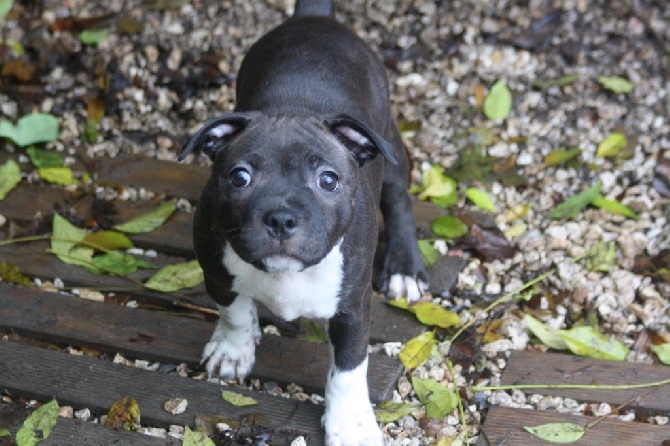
(349, 419)
(407, 287)
(231, 352)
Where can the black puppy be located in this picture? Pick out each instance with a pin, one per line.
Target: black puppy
(289, 215)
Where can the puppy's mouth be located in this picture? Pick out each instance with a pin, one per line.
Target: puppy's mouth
(280, 263)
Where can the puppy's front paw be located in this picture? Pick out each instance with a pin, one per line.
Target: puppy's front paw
(349, 419)
(409, 287)
(231, 351)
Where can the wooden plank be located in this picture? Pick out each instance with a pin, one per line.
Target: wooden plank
(526, 367)
(69, 431)
(84, 382)
(157, 336)
(388, 325)
(504, 426)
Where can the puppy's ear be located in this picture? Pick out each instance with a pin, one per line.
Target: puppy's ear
(364, 143)
(215, 134)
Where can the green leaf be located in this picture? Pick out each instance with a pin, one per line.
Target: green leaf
(57, 175)
(92, 36)
(604, 257)
(429, 313)
(5, 7)
(65, 237)
(438, 399)
(237, 399)
(12, 274)
(557, 432)
(312, 331)
(38, 425)
(388, 411)
(10, 176)
(561, 156)
(31, 129)
(417, 350)
(549, 336)
(616, 84)
(435, 185)
(449, 226)
(120, 263)
(663, 352)
(194, 438)
(108, 240)
(614, 207)
(176, 277)
(557, 82)
(572, 206)
(400, 302)
(612, 145)
(44, 158)
(148, 221)
(498, 102)
(587, 341)
(481, 199)
(429, 254)
(5, 432)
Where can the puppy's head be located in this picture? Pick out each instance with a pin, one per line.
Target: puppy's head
(283, 188)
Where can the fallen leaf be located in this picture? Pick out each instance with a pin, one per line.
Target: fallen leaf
(57, 175)
(108, 240)
(10, 177)
(587, 341)
(409, 129)
(92, 36)
(124, 414)
(429, 313)
(148, 221)
(498, 102)
(516, 230)
(571, 207)
(312, 331)
(438, 399)
(612, 145)
(388, 411)
(44, 158)
(429, 254)
(38, 425)
(95, 109)
(490, 243)
(129, 25)
(556, 82)
(194, 438)
(547, 335)
(614, 207)
(237, 399)
(663, 352)
(176, 277)
(656, 266)
(449, 226)
(616, 84)
(119, 263)
(561, 156)
(31, 129)
(603, 258)
(5, 433)
(417, 350)
(12, 274)
(64, 239)
(5, 7)
(480, 198)
(557, 432)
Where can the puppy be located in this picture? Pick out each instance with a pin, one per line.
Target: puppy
(289, 215)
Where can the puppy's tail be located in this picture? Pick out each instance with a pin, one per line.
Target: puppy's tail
(320, 8)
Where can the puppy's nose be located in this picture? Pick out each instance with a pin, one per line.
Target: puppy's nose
(281, 223)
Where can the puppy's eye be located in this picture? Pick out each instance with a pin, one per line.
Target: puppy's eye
(328, 181)
(240, 177)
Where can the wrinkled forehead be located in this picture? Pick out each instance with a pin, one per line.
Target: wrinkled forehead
(287, 142)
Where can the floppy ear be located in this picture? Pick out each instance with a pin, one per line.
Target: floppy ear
(361, 140)
(215, 134)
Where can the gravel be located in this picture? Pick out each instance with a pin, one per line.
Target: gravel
(179, 71)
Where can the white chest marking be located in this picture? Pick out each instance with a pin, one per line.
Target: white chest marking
(313, 292)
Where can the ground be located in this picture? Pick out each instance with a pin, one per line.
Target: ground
(167, 66)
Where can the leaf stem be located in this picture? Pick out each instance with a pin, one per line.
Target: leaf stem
(573, 386)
